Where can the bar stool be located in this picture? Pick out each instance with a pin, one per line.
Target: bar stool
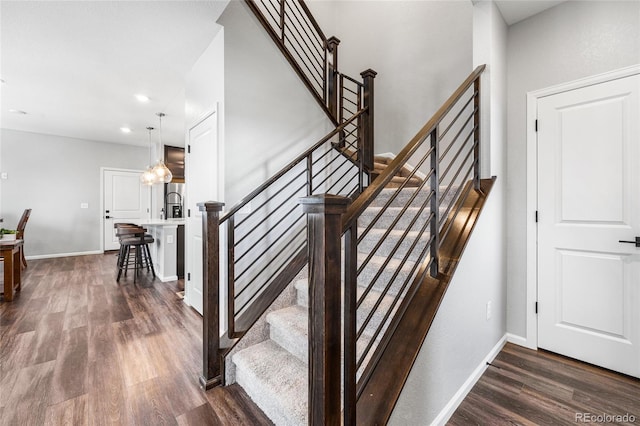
(134, 237)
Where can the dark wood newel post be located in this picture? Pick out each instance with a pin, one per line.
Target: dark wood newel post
(367, 120)
(332, 47)
(212, 363)
(324, 218)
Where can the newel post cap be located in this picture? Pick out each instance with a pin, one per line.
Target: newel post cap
(325, 203)
(332, 42)
(368, 73)
(210, 206)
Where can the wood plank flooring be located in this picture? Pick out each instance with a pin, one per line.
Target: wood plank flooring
(525, 387)
(78, 348)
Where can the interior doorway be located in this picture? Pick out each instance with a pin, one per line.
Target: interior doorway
(588, 205)
(125, 199)
(202, 173)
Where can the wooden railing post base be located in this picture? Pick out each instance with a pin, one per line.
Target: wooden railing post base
(213, 367)
(324, 228)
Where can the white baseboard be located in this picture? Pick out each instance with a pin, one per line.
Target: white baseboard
(519, 340)
(167, 279)
(459, 396)
(50, 256)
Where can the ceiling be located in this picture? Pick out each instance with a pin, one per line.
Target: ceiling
(517, 10)
(75, 67)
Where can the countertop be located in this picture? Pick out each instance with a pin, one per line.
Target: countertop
(162, 222)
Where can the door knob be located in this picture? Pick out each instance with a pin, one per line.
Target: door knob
(636, 242)
(107, 217)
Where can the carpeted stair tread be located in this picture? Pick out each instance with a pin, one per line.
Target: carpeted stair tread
(288, 327)
(388, 244)
(275, 380)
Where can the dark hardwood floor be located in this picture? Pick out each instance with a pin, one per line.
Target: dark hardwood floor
(525, 387)
(78, 348)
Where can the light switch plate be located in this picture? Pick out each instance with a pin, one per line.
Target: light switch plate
(169, 239)
(84, 205)
(4, 175)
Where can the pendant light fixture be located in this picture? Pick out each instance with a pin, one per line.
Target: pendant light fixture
(161, 171)
(148, 177)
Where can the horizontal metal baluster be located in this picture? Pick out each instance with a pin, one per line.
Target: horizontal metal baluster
(268, 200)
(395, 301)
(317, 46)
(343, 186)
(455, 157)
(456, 196)
(442, 135)
(390, 256)
(256, 226)
(277, 271)
(395, 194)
(336, 156)
(321, 38)
(331, 150)
(249, 250)
(393, 278)
(304, 46)
(458, 172)
(312, 74)
(242, 288)
(457, 211)
(262, 238)
(455, 138)
(375, 358)
(275, 20)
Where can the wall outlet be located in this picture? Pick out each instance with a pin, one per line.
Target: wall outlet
(4, 175)
(84, 205)
(169, 239)
(489, 311)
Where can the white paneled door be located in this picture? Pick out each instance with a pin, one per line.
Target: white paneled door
(588, 202)
(202, 185)
(125, 200)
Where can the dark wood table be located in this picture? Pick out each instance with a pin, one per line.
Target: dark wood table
(11, 252)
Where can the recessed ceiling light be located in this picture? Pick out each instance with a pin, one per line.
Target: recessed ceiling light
(142, 98)
(125, 130)
(17, 111)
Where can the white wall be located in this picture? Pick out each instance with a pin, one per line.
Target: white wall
(204, 93)
(572, 40)
(421, 50)
(270, 116)
(52, 175)
(461, 337)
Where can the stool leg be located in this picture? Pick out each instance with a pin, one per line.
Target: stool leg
(121, 259)
(149, 260)
(126, 262)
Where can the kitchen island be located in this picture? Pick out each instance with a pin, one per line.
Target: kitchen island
(167, 250)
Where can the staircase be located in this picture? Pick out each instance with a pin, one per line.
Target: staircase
(382, 238)
(274, 373)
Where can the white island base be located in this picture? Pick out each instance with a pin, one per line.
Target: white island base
(164, 250)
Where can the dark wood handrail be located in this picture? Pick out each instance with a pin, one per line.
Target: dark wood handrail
(313, 21)
(253, 194)
(363, 201)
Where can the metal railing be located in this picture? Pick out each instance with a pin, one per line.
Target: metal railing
(312, 55)
(392, 235)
